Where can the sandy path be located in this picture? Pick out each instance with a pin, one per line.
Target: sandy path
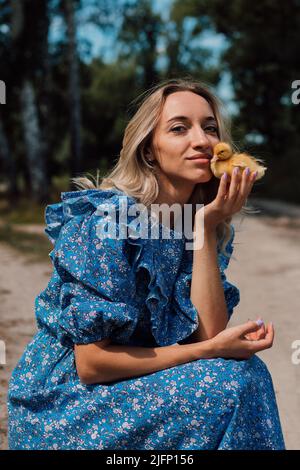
(266, 269)
(20, 282)
(267, 272)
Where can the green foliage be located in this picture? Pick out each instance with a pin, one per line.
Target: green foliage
(261, 49)
(104, 102)
(262, 58)
(23, 212)
(36, 247)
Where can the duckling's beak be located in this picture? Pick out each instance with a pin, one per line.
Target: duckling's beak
(214, 159)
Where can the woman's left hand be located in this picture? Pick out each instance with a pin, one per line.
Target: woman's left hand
(256, 335)
(230, 198)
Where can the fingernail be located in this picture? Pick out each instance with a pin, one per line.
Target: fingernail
(247, 171)
(259, 322)
(236, 170)
(255, 175)
(225, 176)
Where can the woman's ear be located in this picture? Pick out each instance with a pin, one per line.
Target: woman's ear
(149, 157)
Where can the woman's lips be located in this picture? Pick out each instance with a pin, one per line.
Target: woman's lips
(199, 160)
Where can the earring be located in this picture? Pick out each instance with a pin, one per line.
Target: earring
(149, 159)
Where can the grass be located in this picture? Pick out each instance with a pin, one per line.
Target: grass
(36, 247)
(24, 213)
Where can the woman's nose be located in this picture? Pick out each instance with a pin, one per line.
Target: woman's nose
(199, 138)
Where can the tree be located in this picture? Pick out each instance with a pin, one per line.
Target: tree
(28, 47)
(185, 51)
(263, 43)
(8, 162)
(138, 38)
(74, 87)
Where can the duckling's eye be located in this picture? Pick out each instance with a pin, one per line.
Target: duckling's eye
(175, 129)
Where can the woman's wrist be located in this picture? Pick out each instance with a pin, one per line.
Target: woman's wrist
(211, 220)
(206, 349)
(209, 225)
(210, 232)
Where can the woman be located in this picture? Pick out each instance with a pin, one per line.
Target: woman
(132, 350)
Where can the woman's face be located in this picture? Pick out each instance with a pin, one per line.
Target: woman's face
(187, 128)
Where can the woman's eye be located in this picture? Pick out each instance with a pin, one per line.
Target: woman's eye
(176, 129)
(212, 128)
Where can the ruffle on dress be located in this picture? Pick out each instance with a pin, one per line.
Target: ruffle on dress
(232, 293)
(184, 280)
(98, 293)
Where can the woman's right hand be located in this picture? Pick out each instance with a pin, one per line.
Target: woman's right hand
(232, 342)
(230, 199)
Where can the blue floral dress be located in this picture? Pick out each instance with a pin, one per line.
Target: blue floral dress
(135, 291)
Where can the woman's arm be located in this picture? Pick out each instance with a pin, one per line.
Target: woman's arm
(207, 293)
(103, 362)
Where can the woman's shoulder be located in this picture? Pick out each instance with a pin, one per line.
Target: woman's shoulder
(92, 200)
(94, 195)
(81, 204)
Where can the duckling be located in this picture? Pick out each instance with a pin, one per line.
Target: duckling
(225, 159)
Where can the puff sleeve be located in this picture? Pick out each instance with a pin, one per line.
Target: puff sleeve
(97, 292)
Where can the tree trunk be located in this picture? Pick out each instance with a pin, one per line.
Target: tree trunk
(26, 38)
(74, 89)
(9, 166)
(35, 150)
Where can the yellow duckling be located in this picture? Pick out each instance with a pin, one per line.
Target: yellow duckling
(225, 159)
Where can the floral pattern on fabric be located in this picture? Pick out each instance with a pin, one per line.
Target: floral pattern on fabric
(137, 292)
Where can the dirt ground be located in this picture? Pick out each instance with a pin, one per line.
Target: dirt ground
(265, 267)
(267, 272)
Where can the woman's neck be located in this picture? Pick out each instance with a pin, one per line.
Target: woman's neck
(173, 194)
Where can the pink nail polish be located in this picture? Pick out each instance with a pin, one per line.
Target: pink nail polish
(259, 322)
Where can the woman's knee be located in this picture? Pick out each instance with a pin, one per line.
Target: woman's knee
(240, 375)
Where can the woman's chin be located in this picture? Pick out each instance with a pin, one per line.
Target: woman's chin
(204, 177)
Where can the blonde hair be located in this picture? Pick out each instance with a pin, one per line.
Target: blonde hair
(134, 173)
